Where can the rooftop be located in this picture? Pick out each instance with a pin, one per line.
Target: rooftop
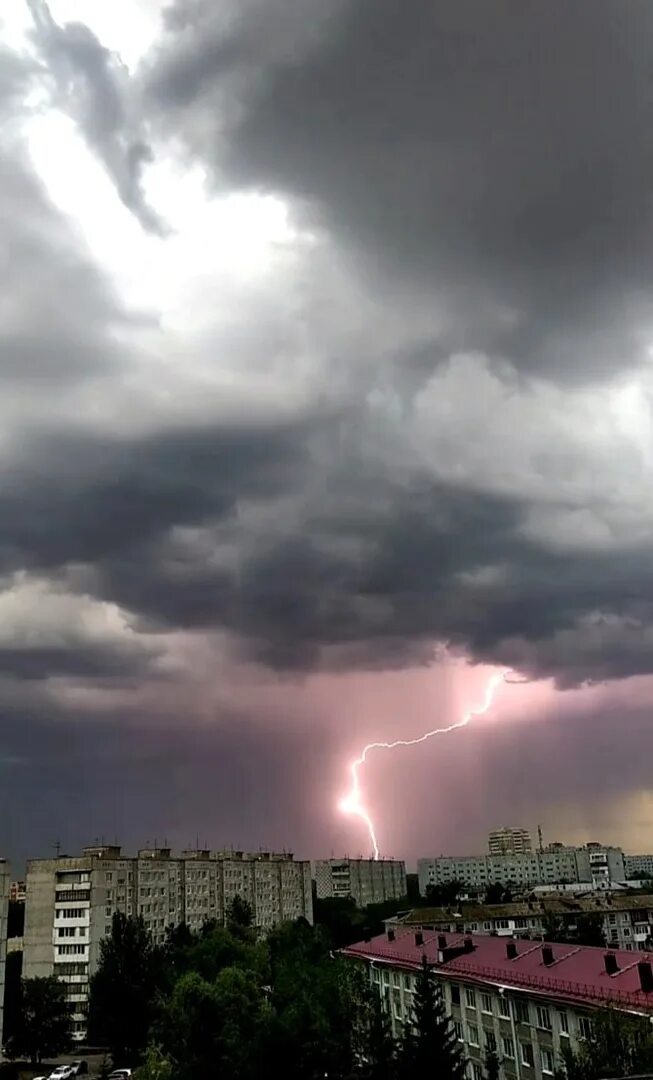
(548, 905)
(574, 974)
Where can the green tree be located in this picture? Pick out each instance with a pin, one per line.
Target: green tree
(380, 1050)
(239, 917)
(492, 1065)
(156, 1066)
(430, 1047)
(124, 990)
(621, 1045)
(43, 1027)
(214, 1026)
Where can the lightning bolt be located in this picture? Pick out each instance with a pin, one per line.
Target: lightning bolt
(353, 803)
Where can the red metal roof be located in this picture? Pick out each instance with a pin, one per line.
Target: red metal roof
(577, 973)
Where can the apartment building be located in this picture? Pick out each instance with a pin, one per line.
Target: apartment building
(509, 840)
(17, 892)
(554, 864)
(367, 881)
(627, 919)
(638, 866)
(71, 902)
(526, 1001)
(4, 903)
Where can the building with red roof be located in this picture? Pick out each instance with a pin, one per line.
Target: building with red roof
(527, 1000)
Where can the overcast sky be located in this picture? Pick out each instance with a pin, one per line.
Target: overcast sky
(326, 342)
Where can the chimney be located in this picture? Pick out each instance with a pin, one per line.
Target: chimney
(442, 941)
(391, 935)
(611, 963)
(547, 955)
(511, 950)
(419, 937)
(468, 944)
(645, 976)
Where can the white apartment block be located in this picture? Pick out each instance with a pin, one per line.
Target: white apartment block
(638, 865)
(525, 1001)
(4, 904)
(71, 902)
(553, 865)
(509, 840)
(367, 881)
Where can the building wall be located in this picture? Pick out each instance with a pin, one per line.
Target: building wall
(552, 865)
(367, 881)
(528, 1034)
(4, 902)
(509, 841)
(71, 902)
(635, 865)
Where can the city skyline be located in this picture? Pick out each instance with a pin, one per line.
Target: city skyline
(326, 400)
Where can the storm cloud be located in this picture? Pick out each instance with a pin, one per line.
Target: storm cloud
(327, 348)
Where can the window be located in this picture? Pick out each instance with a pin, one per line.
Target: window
(543, 1018)
(563, 1021)
(504, 1006)
(66, 931)
(612, 919)
(458, 1029)
(508, 1047)
(490, 1041)
(477, 1072)
(527, 1055)
(486, 1003)
(520, 1009)
(455, 995)
(546, 1059)
(472, 1032)
(470, 999)
(585, 1027)
(396, 978)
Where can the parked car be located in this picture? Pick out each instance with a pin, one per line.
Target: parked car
(62, 1072)
(120, 1074)
(80, 1067)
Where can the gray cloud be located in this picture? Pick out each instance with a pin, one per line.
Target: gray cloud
(91, 84)
(497, 156)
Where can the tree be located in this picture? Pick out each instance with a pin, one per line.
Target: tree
(621, 1045)
(124, 989)
(380, 1051)
(492, 1065)
(156, 1066)
(239, 917)
(43, 1026)
(430, 1048)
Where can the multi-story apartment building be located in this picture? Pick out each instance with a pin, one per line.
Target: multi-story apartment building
(627, 919)
(638, 866)
(71, 902)
(526, 1001)
(509, 840)
(17, 892)
(4, 902)
(367, 881)
(554, 864)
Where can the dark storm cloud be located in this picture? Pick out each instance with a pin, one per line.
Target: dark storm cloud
(500, 155)
(90, 83)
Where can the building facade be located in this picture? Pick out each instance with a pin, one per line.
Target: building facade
(509, 841)
(367, 881)
(638, 866)
(554, 864)
(71, 902)
(4, 904)
(526, 1002)
(627, 919)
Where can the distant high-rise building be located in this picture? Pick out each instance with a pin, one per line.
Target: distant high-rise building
(555, 864)
(17, 892)
(71, 902)
(639, 866)
(367, 881)
(509, 841)
(4, 900)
